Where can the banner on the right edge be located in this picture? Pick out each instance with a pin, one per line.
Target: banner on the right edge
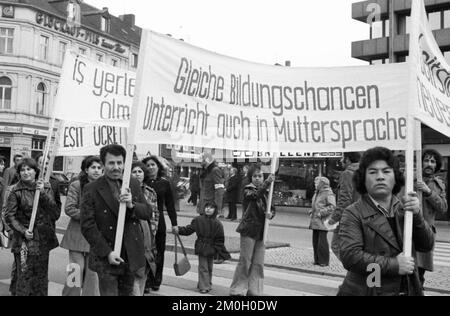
(432, 74)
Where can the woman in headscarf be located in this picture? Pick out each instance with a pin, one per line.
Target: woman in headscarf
(323, 204)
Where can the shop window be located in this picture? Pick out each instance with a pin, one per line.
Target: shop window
(41, 93)
(5, 93)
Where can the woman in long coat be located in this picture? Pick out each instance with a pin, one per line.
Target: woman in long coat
(323, 205)
(31, 249)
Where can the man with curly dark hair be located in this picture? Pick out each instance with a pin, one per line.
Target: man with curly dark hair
(371, 231)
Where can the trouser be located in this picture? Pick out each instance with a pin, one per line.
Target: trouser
(335, 243)
(139, 284)
(249, 275)
(156, 280)
(205, 273)
(221, 194)
(422, 275)
(116, 285)
(232, 210)
(32, 280)
(87, 279)
(321, 247)
(193, 198)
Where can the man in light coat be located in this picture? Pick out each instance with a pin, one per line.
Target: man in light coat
(434, 202)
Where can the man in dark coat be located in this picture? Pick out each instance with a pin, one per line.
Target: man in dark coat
(371, 232)
(194, 187)
(233, 194)
(212, 188)
(99, 214)
(434, 202)
(10, 175)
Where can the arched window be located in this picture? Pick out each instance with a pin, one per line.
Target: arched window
(41, 92)
(5, 93)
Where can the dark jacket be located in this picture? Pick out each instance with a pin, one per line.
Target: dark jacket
(18, 215)
(233, 189)
(194, 183)
(433, 204)
(99, 214)
(367, 238)
(323, 204)
(346, 193)
(211, 182)
(164, 192)
(210, 236)
(254, 217)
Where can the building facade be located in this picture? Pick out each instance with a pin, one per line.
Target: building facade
(34, 36)
(388, 42)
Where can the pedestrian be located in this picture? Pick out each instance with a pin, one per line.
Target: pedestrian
(434, 202)
(212, 186)
(244, 183)
(210, 243)
(194, 187)
(162, 187)
(99, 212)
(323, 204)
(2, 181)
(346, 195)
(73, 240)
(372, 231)
(140, 172)
(31, 249)
(233, 194)
(249, 275)
(10, 174)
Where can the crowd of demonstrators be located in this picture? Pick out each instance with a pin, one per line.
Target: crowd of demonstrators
(249, 275)
(161, 185)
(31, 249)
(371, 231)
(2, 180)
(323, 204)
(140, 173)
(346, 194)
(210, 244)
(434, 202)
(99, 211)
(73, 240)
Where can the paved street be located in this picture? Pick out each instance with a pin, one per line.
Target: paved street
(289, 269)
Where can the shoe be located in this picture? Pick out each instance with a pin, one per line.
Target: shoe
(233, 219)
(323, 265)
(147, 291)
(204, 291)
(155, 288)
(219, 261)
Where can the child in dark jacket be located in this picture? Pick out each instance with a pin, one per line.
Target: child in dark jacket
(210, 242)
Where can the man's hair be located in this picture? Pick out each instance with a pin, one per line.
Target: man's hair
(354, 157)
(28, 162)
(115, 150)
(252, 170)
(211, 205)
(2, 159)
(436, 155)
(372, 155)
(17, 156)
(161, 169)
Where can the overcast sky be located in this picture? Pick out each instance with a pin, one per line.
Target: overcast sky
(310, 33)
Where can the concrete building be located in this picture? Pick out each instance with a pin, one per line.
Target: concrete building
(388, 42)
(34, 36)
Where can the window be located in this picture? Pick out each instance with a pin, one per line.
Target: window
(6, 40)
(447, 19)
(114, 62)
(105, 24)
(44, 47)
(435, 20)
(62, 51)
(376, 30)
(134, 60)
(100, 57)
(404, 24)
(5, 93)
(378, 61)
(447, 57)
(82, 51)
(40, 98)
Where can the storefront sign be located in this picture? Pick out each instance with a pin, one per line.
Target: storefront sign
(36, 132)
(5, 141)
(10, 129)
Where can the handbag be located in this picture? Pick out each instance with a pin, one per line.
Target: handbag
(181, 266)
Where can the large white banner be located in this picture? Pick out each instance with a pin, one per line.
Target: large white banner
(93, 92)
(431, 74)
(189, 96)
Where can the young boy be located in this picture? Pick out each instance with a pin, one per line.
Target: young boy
(210, 242)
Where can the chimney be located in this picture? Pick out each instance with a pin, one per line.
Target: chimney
(287, 63)
(129, 19)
